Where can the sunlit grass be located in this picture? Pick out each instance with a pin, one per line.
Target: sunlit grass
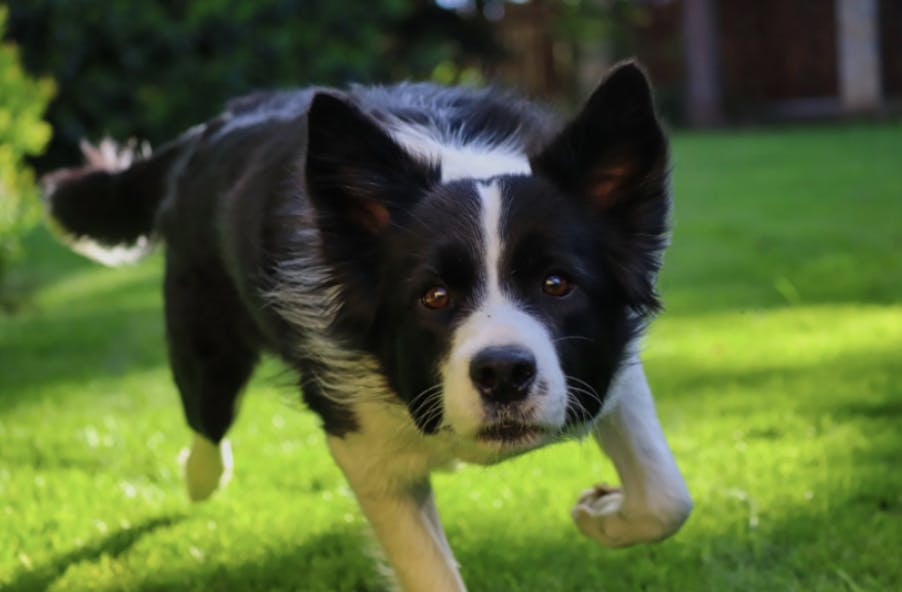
(776, 368)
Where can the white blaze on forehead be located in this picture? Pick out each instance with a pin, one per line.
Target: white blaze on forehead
(465, 160)
(499, 321)
(490, 196)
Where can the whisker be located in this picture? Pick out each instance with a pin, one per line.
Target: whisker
(576, 337)
(582, 414)
(423, 397)
(580, 381)
(434, 412)
(577, 386)
(427, 405)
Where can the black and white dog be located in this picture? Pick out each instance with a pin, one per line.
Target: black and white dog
(452, 273)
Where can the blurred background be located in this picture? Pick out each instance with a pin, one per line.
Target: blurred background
(152, 69)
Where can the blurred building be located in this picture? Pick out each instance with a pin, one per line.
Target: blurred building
(720, 61)
(776, 59)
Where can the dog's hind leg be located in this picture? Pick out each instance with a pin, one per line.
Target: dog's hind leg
(653, 501)
(212, 351)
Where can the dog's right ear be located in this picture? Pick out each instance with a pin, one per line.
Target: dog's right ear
(613, 158)
(358, 178)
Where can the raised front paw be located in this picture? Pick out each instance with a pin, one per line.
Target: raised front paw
(602, 514)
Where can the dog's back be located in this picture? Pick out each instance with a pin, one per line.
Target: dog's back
(228, 197)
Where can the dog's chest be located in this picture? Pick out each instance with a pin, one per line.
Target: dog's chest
(388, 448)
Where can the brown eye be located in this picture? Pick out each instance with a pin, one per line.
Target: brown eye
(557, 285)
(436, 298)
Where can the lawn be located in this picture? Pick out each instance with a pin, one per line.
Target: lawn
(776, 366)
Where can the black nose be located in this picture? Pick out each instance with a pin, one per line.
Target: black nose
(503, 374)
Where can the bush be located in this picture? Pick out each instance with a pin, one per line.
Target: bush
(22, 103)
(151, 69)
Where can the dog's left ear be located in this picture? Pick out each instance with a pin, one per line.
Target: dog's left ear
(357, 176)
(613, 157)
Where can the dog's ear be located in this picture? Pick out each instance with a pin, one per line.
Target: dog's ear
(359, 181)
(613, 157)
(357, 176)
(613, 144)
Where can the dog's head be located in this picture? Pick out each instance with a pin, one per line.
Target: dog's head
(497, 291)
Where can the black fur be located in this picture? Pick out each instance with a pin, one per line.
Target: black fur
(111, 207)
(298, 225)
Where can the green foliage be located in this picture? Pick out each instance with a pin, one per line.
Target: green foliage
(152, 69)
(22, 102)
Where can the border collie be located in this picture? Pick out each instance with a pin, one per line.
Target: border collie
(453, 273)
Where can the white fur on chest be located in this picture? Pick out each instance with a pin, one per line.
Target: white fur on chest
(388, 450)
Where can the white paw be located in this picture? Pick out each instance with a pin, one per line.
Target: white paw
(601, 514)
(207, 467)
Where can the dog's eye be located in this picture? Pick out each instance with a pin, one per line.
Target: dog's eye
(557, 285)
(436, 298)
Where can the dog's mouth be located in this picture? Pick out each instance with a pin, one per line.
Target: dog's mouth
(511, 432)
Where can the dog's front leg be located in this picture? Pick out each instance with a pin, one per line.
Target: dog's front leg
(405, 520)
(653, 501)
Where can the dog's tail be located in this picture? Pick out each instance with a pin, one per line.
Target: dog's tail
(107, 208)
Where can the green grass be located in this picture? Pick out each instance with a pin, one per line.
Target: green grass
(777, 370)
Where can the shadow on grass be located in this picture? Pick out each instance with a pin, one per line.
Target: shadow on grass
(832, 382)
(330, 562)
(772, 556)
(883, 410)
(114, 545)
(45, 260)
(108, 337)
